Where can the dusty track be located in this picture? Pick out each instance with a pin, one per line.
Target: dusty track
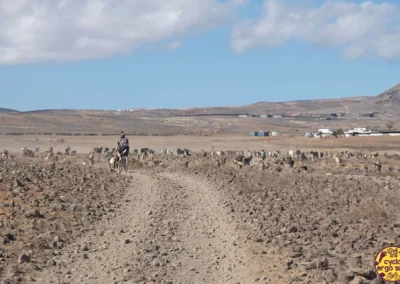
(169, 229)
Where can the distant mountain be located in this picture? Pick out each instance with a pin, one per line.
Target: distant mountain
(389, 98)
(58, 111)
(351, 112)
(286, 108)
(7, 110)
(387, 103)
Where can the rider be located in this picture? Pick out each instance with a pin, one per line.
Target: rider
(122, 146)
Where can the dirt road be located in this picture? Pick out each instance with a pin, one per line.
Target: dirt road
(168, 229)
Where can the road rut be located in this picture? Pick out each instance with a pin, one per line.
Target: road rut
(169, 229)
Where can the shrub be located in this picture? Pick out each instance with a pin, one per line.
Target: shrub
(338, 133)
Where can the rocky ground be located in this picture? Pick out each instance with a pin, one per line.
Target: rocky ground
(189, 221)
(45, 206)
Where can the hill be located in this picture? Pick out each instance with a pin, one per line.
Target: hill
(7, 110)
(389, 98)
(297, 115)
(290, 108)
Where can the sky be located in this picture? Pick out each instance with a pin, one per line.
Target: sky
(123, 54)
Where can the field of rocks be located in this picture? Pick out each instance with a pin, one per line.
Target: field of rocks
(198, 217)
(45, 205)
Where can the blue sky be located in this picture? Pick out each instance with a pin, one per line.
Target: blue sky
(221, 61)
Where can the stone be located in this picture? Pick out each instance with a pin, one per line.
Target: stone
(24, 257)
(358, 280)
(18, 183)
(366, 273)
(33, 214)
(311, 265)
(377, 280)
(289, 263)
(51, 262)
(156, 262)
(292, 229)
(344, 276)
(9, 238)
(330, 276)
(322, 263)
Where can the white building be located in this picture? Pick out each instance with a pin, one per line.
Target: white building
(324, 132)
(356, 131)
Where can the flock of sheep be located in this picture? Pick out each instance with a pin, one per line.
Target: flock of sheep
(47, 155)
(263, 159)
(254, 159)
(143, 153)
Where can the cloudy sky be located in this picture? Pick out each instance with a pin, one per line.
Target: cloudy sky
(114, 54)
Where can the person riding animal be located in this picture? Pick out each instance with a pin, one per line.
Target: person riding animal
(122, 148)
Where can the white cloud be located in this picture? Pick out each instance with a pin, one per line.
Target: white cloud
(241, 2)
(63, 30)
(175, 45)
(358, 30)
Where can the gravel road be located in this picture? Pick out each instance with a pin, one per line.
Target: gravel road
(169, 228)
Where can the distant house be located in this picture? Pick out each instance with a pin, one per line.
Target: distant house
(266, 116)
(356, 131)
(259, 133)
(277, 116)
(243, 115)
(324, 132)
(263, 133)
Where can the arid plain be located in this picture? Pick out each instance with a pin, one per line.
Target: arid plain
(85, 144)
(231, 208)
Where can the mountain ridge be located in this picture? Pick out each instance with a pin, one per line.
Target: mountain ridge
(297, 116)
(8, 110)
(360, 104)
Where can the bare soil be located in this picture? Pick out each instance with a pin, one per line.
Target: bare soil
(196, 143)
(188, 220)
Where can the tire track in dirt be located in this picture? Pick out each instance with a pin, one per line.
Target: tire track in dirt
(207, 237)
(104, 255)
(173, 230)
